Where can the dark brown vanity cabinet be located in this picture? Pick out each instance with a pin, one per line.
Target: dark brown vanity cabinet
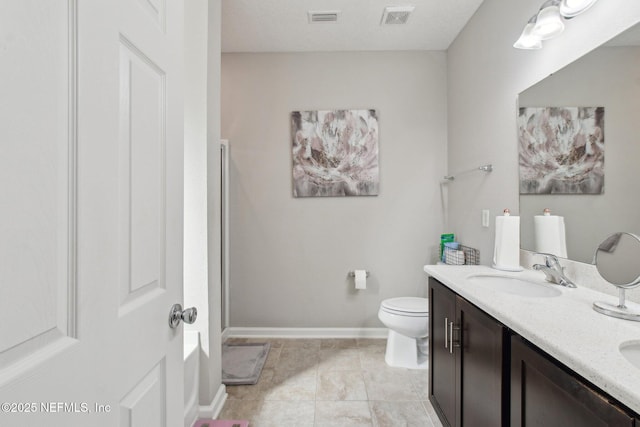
(467, 362)
(483, 374)
(545, 394)
(442, 360)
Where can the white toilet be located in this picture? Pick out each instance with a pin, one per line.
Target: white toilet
(408, 321)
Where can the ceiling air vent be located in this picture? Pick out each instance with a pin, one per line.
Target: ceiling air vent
(316, 17)
(396, 15)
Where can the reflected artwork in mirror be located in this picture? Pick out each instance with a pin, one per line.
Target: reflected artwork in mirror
(561, 150)
(606, 77)
(617, 262)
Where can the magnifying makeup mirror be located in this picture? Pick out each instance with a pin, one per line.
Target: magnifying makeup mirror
(617, 259)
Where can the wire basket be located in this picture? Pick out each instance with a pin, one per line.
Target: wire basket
(471, 255)
(463, 255)
(453, 256)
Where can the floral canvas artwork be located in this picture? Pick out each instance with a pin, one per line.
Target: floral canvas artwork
(335, 153)
(561, 150)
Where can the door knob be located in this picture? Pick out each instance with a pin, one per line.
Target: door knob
(177, 314)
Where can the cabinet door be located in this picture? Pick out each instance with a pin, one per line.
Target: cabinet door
(442, 370)
(544, 394)
(481, 357)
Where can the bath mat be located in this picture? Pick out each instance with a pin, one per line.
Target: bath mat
(242, 363)
(221, 423)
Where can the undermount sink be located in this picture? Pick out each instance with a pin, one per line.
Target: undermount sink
(631, 351)
(514, 285)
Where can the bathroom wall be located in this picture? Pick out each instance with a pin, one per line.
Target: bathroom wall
(485, 74)
(290, 256)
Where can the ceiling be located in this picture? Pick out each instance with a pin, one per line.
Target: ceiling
(283, 26)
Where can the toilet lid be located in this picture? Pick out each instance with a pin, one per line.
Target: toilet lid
(407, 305)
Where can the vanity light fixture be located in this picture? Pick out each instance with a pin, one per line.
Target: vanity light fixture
(528, 40)
(571, 8)
(548, 22)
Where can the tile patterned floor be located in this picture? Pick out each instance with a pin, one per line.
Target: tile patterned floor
(331, 383)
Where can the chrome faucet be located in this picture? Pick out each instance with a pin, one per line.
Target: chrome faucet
(553, 270)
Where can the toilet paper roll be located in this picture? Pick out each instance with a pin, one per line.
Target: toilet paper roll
(549, 234)
(361, 279)
(506, 254)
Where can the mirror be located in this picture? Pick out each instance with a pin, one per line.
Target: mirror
(617, 262)
(606, 77)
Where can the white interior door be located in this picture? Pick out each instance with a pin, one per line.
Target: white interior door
(91, 159)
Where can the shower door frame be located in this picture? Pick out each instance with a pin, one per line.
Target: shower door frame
(224, 234)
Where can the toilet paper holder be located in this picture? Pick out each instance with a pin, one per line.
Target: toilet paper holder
(353, 273)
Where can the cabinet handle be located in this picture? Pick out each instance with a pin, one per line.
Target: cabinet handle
(446, 325)
(451, 344)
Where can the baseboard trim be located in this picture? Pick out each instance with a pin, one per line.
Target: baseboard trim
(244, 332)
(213, 409)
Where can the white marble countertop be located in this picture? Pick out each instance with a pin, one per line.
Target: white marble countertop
(565, 326)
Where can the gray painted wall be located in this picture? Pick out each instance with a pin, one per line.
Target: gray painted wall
(485, 74)
(290, 257)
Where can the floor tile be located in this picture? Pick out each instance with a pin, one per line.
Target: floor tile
(371, 342)
(250, 392)
(331, 383)
(298, 359)
(343, 414)
(339, 343)
(339, 359)
(431, 413)
(393, 414)
(391, 385)
(301, 343)
(341, 385)
(420, 381)
(372, 358)
(285, 385)
(284, 414)
(241, 410)
(272, 357)
(244, 392)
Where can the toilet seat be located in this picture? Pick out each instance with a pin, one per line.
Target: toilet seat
(406, 306)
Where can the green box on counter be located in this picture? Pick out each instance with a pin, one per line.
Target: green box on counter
(445, 238)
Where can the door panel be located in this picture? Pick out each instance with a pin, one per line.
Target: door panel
(150, 188)
(157, 11)
(92, 180)
(37, 190)
(144, 404)
(141, 175)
